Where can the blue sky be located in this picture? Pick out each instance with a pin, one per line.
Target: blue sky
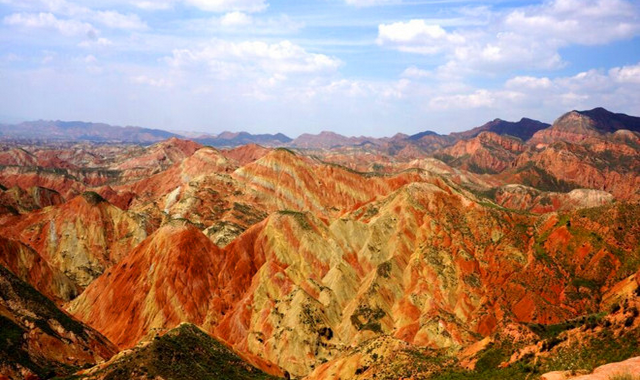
(357, 67)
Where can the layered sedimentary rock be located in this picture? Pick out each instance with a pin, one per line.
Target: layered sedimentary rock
(40, 340)
(30, 267)
(486, 153)
(81, 238)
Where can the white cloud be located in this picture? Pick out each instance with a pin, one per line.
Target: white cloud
(229, 5)
(586, 22)
(476, 99)
(524, 38)
(234, 19)
(414, 72)
(416, 36)
(230, 59)
(614, 88)
(49, 21)
(101, 42)
(154, 5)
(72, 19)
(154, 82)
(528, 83)
(116, 20)
(370, 3)
(626, 74)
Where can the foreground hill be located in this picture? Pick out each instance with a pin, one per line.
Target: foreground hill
(183, 353)
(38, 340)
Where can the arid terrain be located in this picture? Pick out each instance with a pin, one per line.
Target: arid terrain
(509, 251)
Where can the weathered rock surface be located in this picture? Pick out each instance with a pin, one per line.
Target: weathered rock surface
(38, 339)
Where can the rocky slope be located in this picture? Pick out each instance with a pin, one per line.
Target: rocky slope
(80, 238)
(486, 153)
(523, 129)
(363, 261)
(38, 339)
(30, 267)
(185, 352)
(176, 275)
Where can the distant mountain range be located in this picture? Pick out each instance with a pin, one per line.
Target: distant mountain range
(600, 119)
(81, 131)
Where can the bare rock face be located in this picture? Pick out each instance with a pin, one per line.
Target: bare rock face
(360, 261)
(246, 154)
(23, 201)
(520, 197)
(160, 156)
(284, 180)
(30, 267)
(629, 368)
(486, 153)
(80, 238)
(176, 275)
(40, 340)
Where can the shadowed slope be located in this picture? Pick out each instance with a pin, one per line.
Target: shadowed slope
(183, 353)
(33, 269)
(37, 338)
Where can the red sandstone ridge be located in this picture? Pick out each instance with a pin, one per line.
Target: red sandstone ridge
(485, 153)
(285, 180)
(81, 238)
(30, 267)
(161, 155)
(18, 200)
(335, 262)
(17, 157)
(246, 154)
(327, 139)
(577, 126)
(175, 275)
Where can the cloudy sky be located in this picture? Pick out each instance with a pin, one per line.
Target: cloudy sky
(357, 67)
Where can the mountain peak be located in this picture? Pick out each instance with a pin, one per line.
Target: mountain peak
(523, 129)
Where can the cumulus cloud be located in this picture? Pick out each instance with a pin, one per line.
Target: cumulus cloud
(477, 99)
(231, 59)
(116, 20)
(528, 83)
(101, 42)
(613, 88)
(416, 36)
(233, 19)
(526, 37)
(49, 21)
(626, 74)
(154, 82)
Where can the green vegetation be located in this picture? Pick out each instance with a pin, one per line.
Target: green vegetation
(540, 179)
(282, 149)
(366, 318)
(300, 217)
(624, 376)
(93, 198)
(39, 311)
(475, 168)
(185, 352)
